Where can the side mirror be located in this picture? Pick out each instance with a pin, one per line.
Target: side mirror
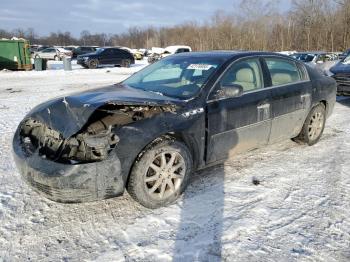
(229, 91)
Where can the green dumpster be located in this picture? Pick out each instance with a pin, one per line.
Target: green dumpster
(15, 55)
(40, 64)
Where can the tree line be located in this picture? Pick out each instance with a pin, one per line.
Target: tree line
(252, 25)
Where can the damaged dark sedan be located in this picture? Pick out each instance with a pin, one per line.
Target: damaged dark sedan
(150, 132)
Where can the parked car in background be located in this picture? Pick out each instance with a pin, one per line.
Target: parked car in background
(37, 48)
(149, 133)
(153, 57)
(288, 53)
(344, 54)
(70, 48)
(176, 49)
(341, 74)
(53, 53)
(136, 53)
(159, 53)
(322, 61)
(106, 56)
(82, 50)
(311, 57)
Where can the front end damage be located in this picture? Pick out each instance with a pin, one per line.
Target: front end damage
(83, 166)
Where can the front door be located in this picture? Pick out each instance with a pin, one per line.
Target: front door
(241, 123)
(106, 57)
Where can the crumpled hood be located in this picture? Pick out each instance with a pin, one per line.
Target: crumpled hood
(340, 68)
(69, 114)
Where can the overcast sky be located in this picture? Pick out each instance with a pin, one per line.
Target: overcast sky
(108, 16)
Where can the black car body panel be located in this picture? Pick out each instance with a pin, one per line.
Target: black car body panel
(106, 56)
(341, 74)
(84, 145)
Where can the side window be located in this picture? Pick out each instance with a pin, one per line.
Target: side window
(282, 71)
(48, 50)
(245, 73)
(182, 50)
(108, 52)
(122, 53)
(116, 52)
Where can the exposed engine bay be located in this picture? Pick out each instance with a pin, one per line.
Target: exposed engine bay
(93, 142)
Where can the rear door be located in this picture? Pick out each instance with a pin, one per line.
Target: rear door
(241, 123)
(106, 57)
(290, 97)
(120, 55)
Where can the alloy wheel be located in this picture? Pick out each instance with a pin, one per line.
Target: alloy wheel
(316, 125)
(165, 175)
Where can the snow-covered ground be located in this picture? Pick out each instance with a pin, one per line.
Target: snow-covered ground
(298, 211)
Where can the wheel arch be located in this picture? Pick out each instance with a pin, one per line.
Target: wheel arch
(325, 103)
(175, 136)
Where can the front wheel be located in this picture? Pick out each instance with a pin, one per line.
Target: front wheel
(313, 127)
(56, 58)
(161, 174)
(93, 64)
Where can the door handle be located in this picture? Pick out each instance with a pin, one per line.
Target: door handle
(305, 96)
(264, 106)
(263, 111)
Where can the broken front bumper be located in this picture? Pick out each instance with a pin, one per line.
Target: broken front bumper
(70, 183)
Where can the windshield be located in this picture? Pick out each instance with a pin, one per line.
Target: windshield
(304, 57)
(179, 77)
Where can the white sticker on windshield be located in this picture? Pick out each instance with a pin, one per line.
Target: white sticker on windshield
(199, 66)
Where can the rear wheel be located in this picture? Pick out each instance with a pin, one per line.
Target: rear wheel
(313, 127)
(160, 176)
(126, 63)
(93, 64)
(56, 58)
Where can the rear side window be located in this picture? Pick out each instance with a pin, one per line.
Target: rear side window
(108, 52)
(182, 50)
(283, 71)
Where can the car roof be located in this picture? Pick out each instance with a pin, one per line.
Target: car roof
(230, 54)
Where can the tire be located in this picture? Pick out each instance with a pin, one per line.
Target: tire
(126, 63)
(153, 181)
(93, 64)
(56, 58)
(313, 127)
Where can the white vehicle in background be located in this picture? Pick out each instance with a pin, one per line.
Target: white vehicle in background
(176, 49)
(157, 50)
(289, 53)
(53, 53)
(159, 53)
